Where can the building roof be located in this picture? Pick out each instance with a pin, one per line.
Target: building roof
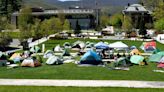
(136, 8)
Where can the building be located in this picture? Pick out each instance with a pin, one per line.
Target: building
(138, 12)
(87, 18)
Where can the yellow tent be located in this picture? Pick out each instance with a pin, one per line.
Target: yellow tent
(15, 55)
(135, 52)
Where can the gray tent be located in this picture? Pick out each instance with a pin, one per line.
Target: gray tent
(54, 60)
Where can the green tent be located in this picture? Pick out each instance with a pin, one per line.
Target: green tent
(156, 51)
(161, 53)
(66, 53)
(121, 62)
(136, 59)
(155, 58)
(66, 44)
(35, 49)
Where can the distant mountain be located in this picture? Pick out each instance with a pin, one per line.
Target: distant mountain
(84, 3)
(109, 6)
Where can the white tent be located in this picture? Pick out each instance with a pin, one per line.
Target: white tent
(53, 60)
(118, 45)
(29, 62)
(57, 48)
(48, 54)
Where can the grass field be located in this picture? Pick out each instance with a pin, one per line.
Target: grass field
(72, 89)
(72, 71)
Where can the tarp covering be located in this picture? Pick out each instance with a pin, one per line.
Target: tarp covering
(101, 45)
(118, 45)
(91, 57)
(53, 60)
(136, 59)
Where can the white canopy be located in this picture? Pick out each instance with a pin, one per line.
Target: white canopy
(118, 45)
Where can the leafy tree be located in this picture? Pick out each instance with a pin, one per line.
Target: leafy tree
(151, 4)
(104, 21)
(5, 39)
(24, 22)
(142, 28)
(9, 6)
(116, 20)
(58, 25)
(127, 24)
(159, 25)
(77, 28)
(66, 25)
(159, 11)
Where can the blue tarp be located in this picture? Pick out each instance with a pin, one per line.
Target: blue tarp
(101, 45)
(91, 57)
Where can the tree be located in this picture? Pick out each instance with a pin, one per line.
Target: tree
(127, 24)
(159, 25)
(116, 20)
(77, 28)
(36, 29)
(142, 28)
(150, 4)
(24, 23)
(66, 25)
(5, 39)
(9, 6)
(159, 11)
(104, 21)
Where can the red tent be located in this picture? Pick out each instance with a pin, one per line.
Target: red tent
(150, 44)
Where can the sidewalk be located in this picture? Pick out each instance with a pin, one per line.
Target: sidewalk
(82, 83)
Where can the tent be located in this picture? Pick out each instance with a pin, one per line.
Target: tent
(81, 44)
(118, 45)
(30, 62)
(48, 53)
(148, 46)
(156, 51)
(58, 48)
(133, 47)
(101, 45)
(67, 45)
(155, 58)
(35, 49)
(3, 59)
(136, 59)
(122, 62)
(135, 52)
(161, 63)
(16, 57)
(53, 60)
(66, 53)
(91, 57)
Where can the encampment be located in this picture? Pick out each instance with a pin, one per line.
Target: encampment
(148, 46)
(53, 60)
(91, 57)
(101, 45)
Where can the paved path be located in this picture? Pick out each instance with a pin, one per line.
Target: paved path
(82, 83)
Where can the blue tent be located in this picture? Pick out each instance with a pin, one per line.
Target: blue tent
(91, 57)
(101, 45)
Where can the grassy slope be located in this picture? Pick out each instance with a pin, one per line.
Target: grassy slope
(72, 89)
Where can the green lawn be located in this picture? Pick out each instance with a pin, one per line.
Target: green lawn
(72, 89)
(72, 71)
